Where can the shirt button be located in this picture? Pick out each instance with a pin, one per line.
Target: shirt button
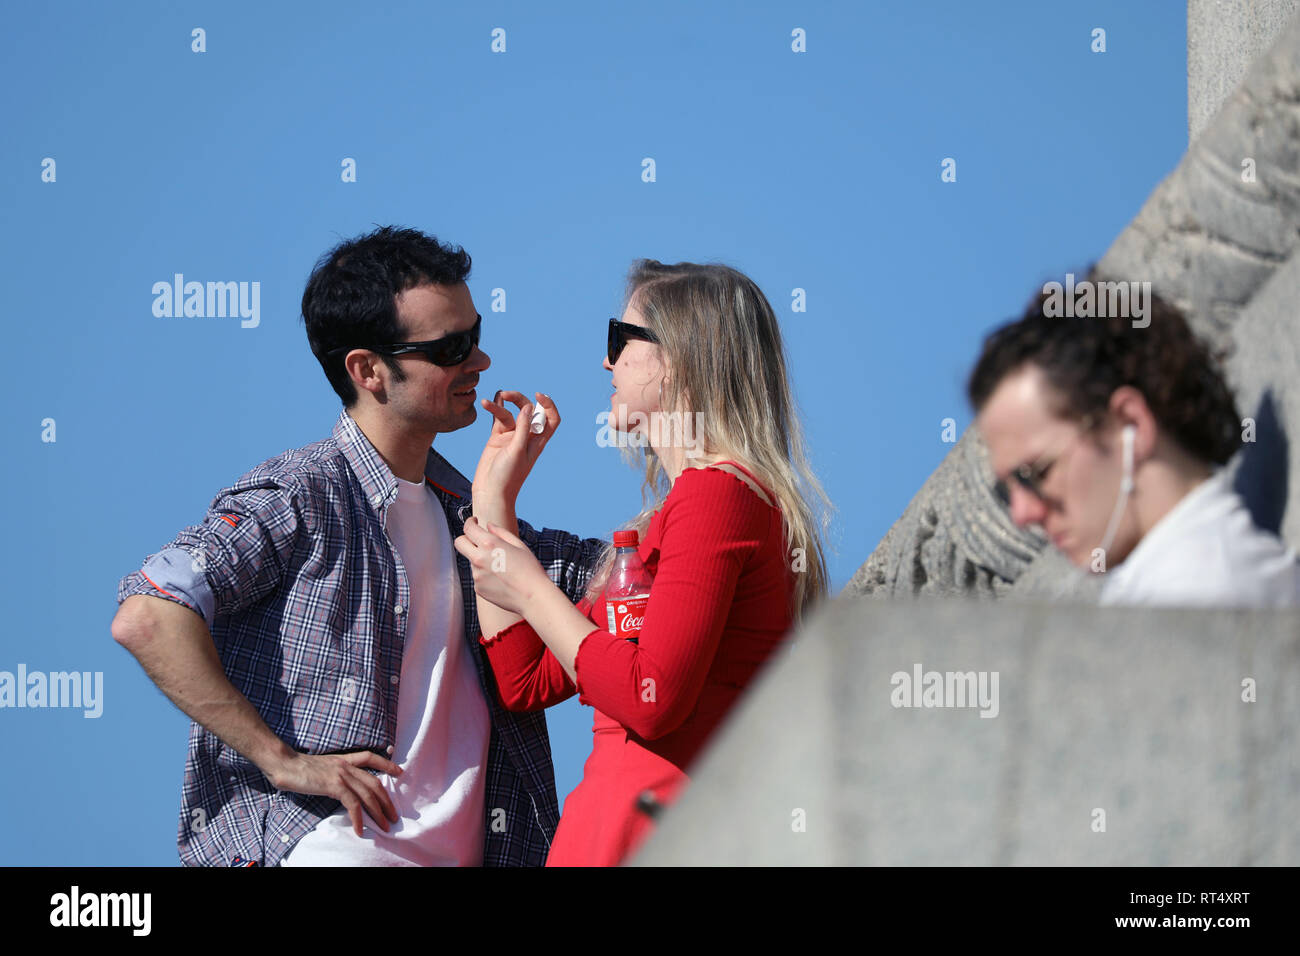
(390, 748)
(398, 609)
(391, 680)
(232, 779)
(376, 499)
(284, 838)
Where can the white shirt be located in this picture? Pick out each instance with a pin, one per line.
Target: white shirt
(443, 723)
(1206, 551)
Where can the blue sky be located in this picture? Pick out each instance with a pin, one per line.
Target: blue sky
(817, 170)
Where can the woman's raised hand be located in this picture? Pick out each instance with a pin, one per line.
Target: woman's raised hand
(511, 447)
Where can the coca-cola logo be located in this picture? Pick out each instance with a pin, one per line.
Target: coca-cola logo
(629, 623)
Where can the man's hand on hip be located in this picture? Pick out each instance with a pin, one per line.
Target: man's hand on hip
(340, 776)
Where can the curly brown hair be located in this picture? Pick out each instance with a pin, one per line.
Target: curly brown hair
(1086, 359)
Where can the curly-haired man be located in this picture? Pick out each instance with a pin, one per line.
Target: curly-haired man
(1111, 436)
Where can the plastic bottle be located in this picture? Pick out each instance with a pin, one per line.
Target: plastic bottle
(628, 590)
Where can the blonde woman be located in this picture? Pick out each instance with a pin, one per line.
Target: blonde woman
(730, 538)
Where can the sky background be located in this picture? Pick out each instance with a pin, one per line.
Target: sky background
(817, 170)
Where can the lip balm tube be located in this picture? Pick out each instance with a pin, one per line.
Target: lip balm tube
(538, 422)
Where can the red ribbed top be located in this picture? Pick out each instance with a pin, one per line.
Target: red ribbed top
(719, 606)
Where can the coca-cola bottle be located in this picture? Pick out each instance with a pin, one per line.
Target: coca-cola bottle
(628, 590)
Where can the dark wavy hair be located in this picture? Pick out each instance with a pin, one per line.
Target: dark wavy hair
(1086, 359)
(351, 297)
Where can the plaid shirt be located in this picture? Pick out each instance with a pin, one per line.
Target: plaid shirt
(306, 600)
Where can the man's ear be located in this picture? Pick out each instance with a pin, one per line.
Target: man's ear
(364, 368)
(1129, 406)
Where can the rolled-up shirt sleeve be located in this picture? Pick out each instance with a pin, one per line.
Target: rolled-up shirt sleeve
(235, 557)
(568, 559)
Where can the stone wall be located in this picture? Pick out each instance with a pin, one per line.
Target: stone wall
(1136, 713)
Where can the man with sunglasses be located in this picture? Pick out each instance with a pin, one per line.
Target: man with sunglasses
(1113, 439)
(320, 629)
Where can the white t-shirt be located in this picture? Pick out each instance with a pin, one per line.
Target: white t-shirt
(443, 723)
(1207, 552)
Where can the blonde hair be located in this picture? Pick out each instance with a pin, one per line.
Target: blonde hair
(728, 366)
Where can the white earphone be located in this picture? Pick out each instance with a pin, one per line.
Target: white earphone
(1129, 435)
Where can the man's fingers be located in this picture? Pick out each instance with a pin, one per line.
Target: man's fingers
(353, 806)
(385, 798)
(378, 803)
(368, 758)
(381, 799)
(360, 791)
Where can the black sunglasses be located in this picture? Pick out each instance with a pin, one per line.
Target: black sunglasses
(619, 333)
(1031, 476)
(451, 349)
